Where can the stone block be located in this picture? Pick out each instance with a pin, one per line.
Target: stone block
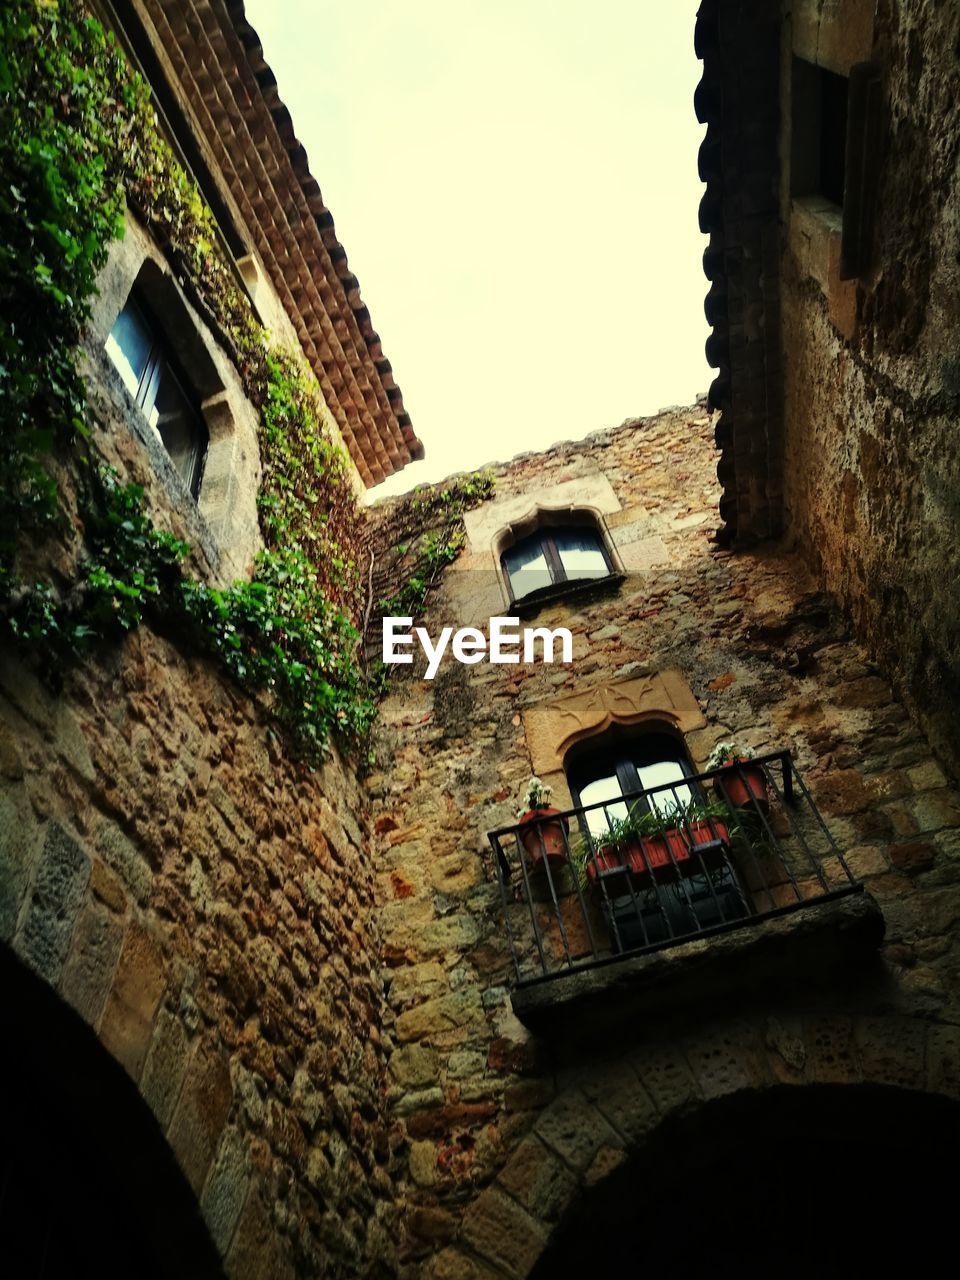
(831, 1054)
(414, 1065)
(257, 1251)
(127, 1023)
(575, 1130)
(726, 1061)
(451, 1264)
(165, 1067)
(226, 1189)
(20, 836)
(422, 1163)
(615, 1090)
(91, 962)
(499, 1230)
(452, 933)
(927, 776)
(943, 1060)
(200, 1115)
(460, 1009)
(936, 809)
(644, 554)
(132, 868)
(58, 890)
(891, 1051)
(666, 1075)
(538, 1180)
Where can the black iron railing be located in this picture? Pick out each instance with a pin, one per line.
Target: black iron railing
(703, 855)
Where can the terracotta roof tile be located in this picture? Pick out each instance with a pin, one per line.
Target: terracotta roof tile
(737, 98)
(232, 92)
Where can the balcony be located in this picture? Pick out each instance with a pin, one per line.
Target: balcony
(728, 852)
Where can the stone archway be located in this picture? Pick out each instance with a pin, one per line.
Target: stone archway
(89, 1188)
(624, 1119)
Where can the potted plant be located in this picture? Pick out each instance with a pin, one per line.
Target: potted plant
(648, 844)
(741, 784)
(541, 837)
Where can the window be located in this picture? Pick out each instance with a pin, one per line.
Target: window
(152, 377)
(835, 152)
(605, 776)
(550, 556)
(699, 888)
(818, 161)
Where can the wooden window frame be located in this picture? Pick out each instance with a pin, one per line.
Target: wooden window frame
(545, 537)
(159, 363)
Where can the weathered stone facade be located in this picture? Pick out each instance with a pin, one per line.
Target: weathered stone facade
(502, 1125)
(204, 905)
(304, 975)
(871, 467)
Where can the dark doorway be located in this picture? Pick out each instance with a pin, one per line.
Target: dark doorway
(89, 1189)
(818, 1182)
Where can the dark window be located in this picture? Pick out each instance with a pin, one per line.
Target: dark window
(150, 374)
(554, 555)
(819, 130)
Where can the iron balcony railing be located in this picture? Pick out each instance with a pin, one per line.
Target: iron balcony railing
(717, 851)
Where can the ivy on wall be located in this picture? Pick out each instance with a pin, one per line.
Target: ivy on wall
(78, 140)
(418, 535)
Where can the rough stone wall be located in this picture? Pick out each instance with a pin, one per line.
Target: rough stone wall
(872, 469)
(770, 663)
(204, 905)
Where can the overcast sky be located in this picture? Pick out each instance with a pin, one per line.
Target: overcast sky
(515, 184)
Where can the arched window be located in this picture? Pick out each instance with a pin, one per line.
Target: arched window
(621, 764)
(152, 375)
(552, 554)
(673, 880)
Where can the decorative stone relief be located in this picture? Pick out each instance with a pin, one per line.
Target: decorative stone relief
(552, 728)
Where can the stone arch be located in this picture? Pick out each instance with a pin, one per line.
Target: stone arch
(96, 1189)
(612, 1112)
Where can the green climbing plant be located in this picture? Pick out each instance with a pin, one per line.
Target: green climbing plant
(78, 141)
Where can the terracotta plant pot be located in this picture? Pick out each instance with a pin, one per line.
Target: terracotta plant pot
(541, 837)
(649, 856)
(742, 784)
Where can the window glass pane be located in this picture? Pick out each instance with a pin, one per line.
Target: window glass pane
(656, 775)
(593, 793)
(580, 553)
(176, 423)
(129, 345)
(526, 567)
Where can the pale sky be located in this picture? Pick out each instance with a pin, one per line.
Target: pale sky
(515, 184)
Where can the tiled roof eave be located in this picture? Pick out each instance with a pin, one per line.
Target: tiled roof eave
(232, 93)
(738, 100)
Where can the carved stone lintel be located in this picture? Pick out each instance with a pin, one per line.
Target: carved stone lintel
(552, 728)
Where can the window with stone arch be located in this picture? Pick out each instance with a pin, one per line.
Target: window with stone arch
(553, 552)
(179, 395)
(150, 370)
(616, 770)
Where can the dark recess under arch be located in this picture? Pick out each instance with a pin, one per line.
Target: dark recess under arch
(88, 1184)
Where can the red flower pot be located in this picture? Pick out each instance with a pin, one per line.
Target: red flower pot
(542, 837)
(742, 784)
(650, 855)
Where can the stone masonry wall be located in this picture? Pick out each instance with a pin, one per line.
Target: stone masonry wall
(872, 469)
(205, 906)
(204, 903)
(770, 663)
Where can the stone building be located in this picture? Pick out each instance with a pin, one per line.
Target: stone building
(264, 1019)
